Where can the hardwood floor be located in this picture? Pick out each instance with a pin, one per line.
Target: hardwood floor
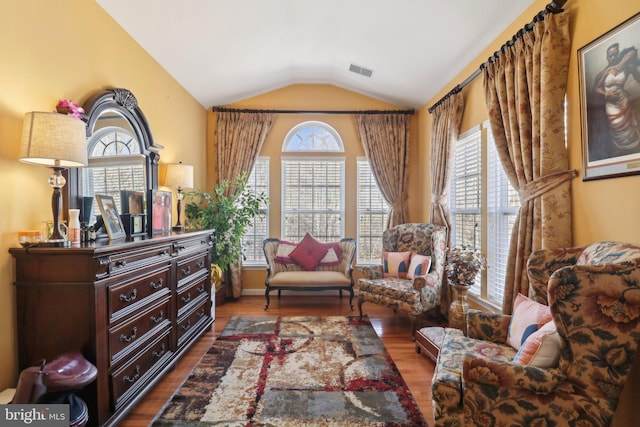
(416, 369)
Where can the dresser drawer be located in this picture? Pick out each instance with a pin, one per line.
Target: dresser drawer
(193, 321)
(194, 244)
(132, 293)
(191, 267)
(129, 335)
(128, 379)
(123, 262)
(191, 294)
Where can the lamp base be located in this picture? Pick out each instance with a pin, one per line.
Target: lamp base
(179, 228)
(55, 243)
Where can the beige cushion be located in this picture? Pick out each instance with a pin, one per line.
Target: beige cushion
(306, 279)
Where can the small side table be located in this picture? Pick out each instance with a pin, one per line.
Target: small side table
(429, 340)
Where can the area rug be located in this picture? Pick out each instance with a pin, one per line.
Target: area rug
(294, 371)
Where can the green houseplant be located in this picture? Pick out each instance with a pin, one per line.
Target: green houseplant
(228, 211)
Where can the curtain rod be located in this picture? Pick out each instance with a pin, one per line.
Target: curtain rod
(254, 111)
(553, 7)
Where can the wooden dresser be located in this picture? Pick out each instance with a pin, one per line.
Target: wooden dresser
(131, 307)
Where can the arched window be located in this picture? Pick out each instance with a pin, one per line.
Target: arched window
(313, 136)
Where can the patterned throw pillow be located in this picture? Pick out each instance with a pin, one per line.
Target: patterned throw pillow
(395, 264)
(419, 266)
(283, 255)
(541, 349)
(528, 316)
(308, 253)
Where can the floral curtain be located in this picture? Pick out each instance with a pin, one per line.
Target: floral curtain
(385, 138)
(239, 137)
(447, 117)
(525, 92)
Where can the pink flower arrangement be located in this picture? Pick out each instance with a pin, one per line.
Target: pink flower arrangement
(463, 265)
(70, 108)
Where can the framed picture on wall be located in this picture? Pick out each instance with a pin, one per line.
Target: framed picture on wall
(609, 70)
(110, 217)
(159, 211)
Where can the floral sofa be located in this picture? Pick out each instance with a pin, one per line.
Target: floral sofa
(593, 296)
(411, 295)
(333, 270)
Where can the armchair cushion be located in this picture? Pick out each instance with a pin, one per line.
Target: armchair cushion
(418, 266)
(309, 253)
(528, 316)
(395, 264)
(541, 349)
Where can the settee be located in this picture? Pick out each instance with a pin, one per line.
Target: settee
(584, 302)
(334, 271)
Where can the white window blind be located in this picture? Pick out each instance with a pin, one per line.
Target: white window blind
(503, 203)
(373, 211)
(255, 233)
(312, 198)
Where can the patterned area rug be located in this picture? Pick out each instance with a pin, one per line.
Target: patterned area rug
(294, 371)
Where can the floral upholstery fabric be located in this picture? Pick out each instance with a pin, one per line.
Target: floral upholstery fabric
(413, 296)
(596, 309)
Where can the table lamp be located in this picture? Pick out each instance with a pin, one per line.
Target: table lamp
(180, 176)
(59, 142)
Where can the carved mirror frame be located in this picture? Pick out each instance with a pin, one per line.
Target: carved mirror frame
(124, 103)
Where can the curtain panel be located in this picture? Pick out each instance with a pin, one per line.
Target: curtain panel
(239, 137)
(447, 118)
(385, 138)
(525, 93)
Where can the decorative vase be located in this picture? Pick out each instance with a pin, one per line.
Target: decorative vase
(459, 307)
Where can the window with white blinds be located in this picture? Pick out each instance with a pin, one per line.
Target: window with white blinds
(483, 207)
(373, 211)
(312, 198)
(256, 232)
(503, 203)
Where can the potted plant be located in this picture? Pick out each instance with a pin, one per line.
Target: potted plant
(228, 210)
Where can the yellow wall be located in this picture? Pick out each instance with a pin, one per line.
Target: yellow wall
(603, 209)
(71, 49)
(322, 97)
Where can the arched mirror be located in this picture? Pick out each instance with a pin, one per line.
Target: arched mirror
(121, 152)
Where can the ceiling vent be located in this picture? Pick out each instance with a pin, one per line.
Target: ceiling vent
(360, 70)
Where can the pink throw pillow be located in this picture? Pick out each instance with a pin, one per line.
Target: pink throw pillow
(419, 266)
(541, 349)
(528, 316)
(283, 255)
(395, 264)
(308, 253)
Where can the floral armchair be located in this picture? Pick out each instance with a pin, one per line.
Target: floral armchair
(411, 295)
(593, 293)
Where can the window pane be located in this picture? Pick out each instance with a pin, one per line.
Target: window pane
(313, 136)
(255, 234)
(373, 212)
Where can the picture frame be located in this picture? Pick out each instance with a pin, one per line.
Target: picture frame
(132, 202)
(110, 217)
(159, 209)
(609, 73)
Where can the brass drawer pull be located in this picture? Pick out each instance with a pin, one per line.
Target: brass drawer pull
(131, 337)
(121, 263)
(186, 271)
(186, 298)
(200, 264)
(159, 318)
(163, 253)
(134, 378)
(200, 314)
(187, 326)
(201, 289)
(159, 354)
(134, 294)
(155, 285)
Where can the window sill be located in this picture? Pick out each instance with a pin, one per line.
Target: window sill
(475, 301)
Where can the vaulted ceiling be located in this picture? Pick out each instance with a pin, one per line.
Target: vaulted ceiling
(224, 51)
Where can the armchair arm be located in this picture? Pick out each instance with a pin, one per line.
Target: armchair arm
(480, 370)
(487, 326)
(371, 272)
(543, 263)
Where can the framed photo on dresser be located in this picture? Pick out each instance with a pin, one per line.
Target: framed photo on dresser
(159, 212)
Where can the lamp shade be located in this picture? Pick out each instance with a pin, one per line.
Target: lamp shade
(53, 139)
(179, 175)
